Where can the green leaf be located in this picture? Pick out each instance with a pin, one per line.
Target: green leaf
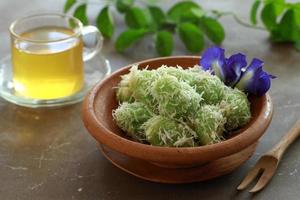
(164, 43)
(213, 29)
(289, 26)
(275, 35)
(193, 15)
(297, 45)
(105, 23)
(181, 9)
(136, 18)
(68, 5)
(269, 14)
(282, 2)
(296, 6)
(157, 15)
(129, 37)
(191, 36)
(253, 11)
(124, 5)
(197, 12)
(80, 13)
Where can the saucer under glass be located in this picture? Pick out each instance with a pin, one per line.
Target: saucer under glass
(95, 70)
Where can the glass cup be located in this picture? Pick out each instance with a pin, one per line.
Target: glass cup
(48, 52)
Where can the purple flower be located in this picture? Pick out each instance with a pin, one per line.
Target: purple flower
(254, 80)
(234, 66)
(228, 70)
(213, 60)
(233, 72)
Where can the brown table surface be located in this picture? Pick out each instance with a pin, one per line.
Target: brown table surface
(48, 154)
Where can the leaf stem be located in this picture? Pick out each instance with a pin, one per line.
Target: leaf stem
(237, 19)
(168, 25)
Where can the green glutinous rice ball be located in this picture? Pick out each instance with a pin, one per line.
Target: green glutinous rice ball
(178, 72)
(236, 108)
(123, 91)
(209, 124)
(210, 86)
(140, 82)
(130, 117)
(163, 131)
(176, 99)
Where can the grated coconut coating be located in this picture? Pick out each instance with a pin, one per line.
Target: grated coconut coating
(236, 108)
(178, 72)
(174, 107)
(140, 83)
(123, 91)
(163, 131)
(210, 86)
(176, 98)
(209, 124)
(130, 117)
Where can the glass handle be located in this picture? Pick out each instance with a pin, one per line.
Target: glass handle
(92, 42)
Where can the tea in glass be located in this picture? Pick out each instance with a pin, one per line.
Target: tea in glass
(47, 70)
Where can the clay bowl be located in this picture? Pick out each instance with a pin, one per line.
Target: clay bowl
(101, 100)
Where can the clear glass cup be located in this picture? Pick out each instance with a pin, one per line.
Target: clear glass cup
(48, 52)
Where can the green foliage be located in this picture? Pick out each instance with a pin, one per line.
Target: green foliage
(280, 18)
(68, 5)
(164, 43)
(124, 5)
(182, 10)
(105, 23)
(80, 13)
(253, 11)
(136, 18)
(157, 15)
(291, 22)
(297, 45)
(187, 18)
(213, 29)
(191, 36)
(129, 37)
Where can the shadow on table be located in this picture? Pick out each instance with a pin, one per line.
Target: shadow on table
(112, 183)
(29, 127)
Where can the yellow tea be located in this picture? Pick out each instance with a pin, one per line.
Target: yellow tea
(47, 70)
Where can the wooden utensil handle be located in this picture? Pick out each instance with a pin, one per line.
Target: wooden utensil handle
(286, 140)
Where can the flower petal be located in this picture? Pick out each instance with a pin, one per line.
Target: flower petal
(213, 60)
(233, 69)
(254, 80)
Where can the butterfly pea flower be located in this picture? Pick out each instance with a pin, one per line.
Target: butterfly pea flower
(255, 80)
(233, 68)
(233, 71)
(213, 60)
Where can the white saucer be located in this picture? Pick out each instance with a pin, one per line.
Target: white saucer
(95, 70)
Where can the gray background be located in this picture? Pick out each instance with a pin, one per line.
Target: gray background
(48, 154)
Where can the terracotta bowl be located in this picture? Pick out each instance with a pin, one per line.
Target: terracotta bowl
(97, 117)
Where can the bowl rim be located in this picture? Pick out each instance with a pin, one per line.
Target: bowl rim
(121, 144)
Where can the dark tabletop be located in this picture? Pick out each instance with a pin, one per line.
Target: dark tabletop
(48, 154)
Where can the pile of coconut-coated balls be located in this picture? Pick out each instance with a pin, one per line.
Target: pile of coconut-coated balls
(177, 107)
